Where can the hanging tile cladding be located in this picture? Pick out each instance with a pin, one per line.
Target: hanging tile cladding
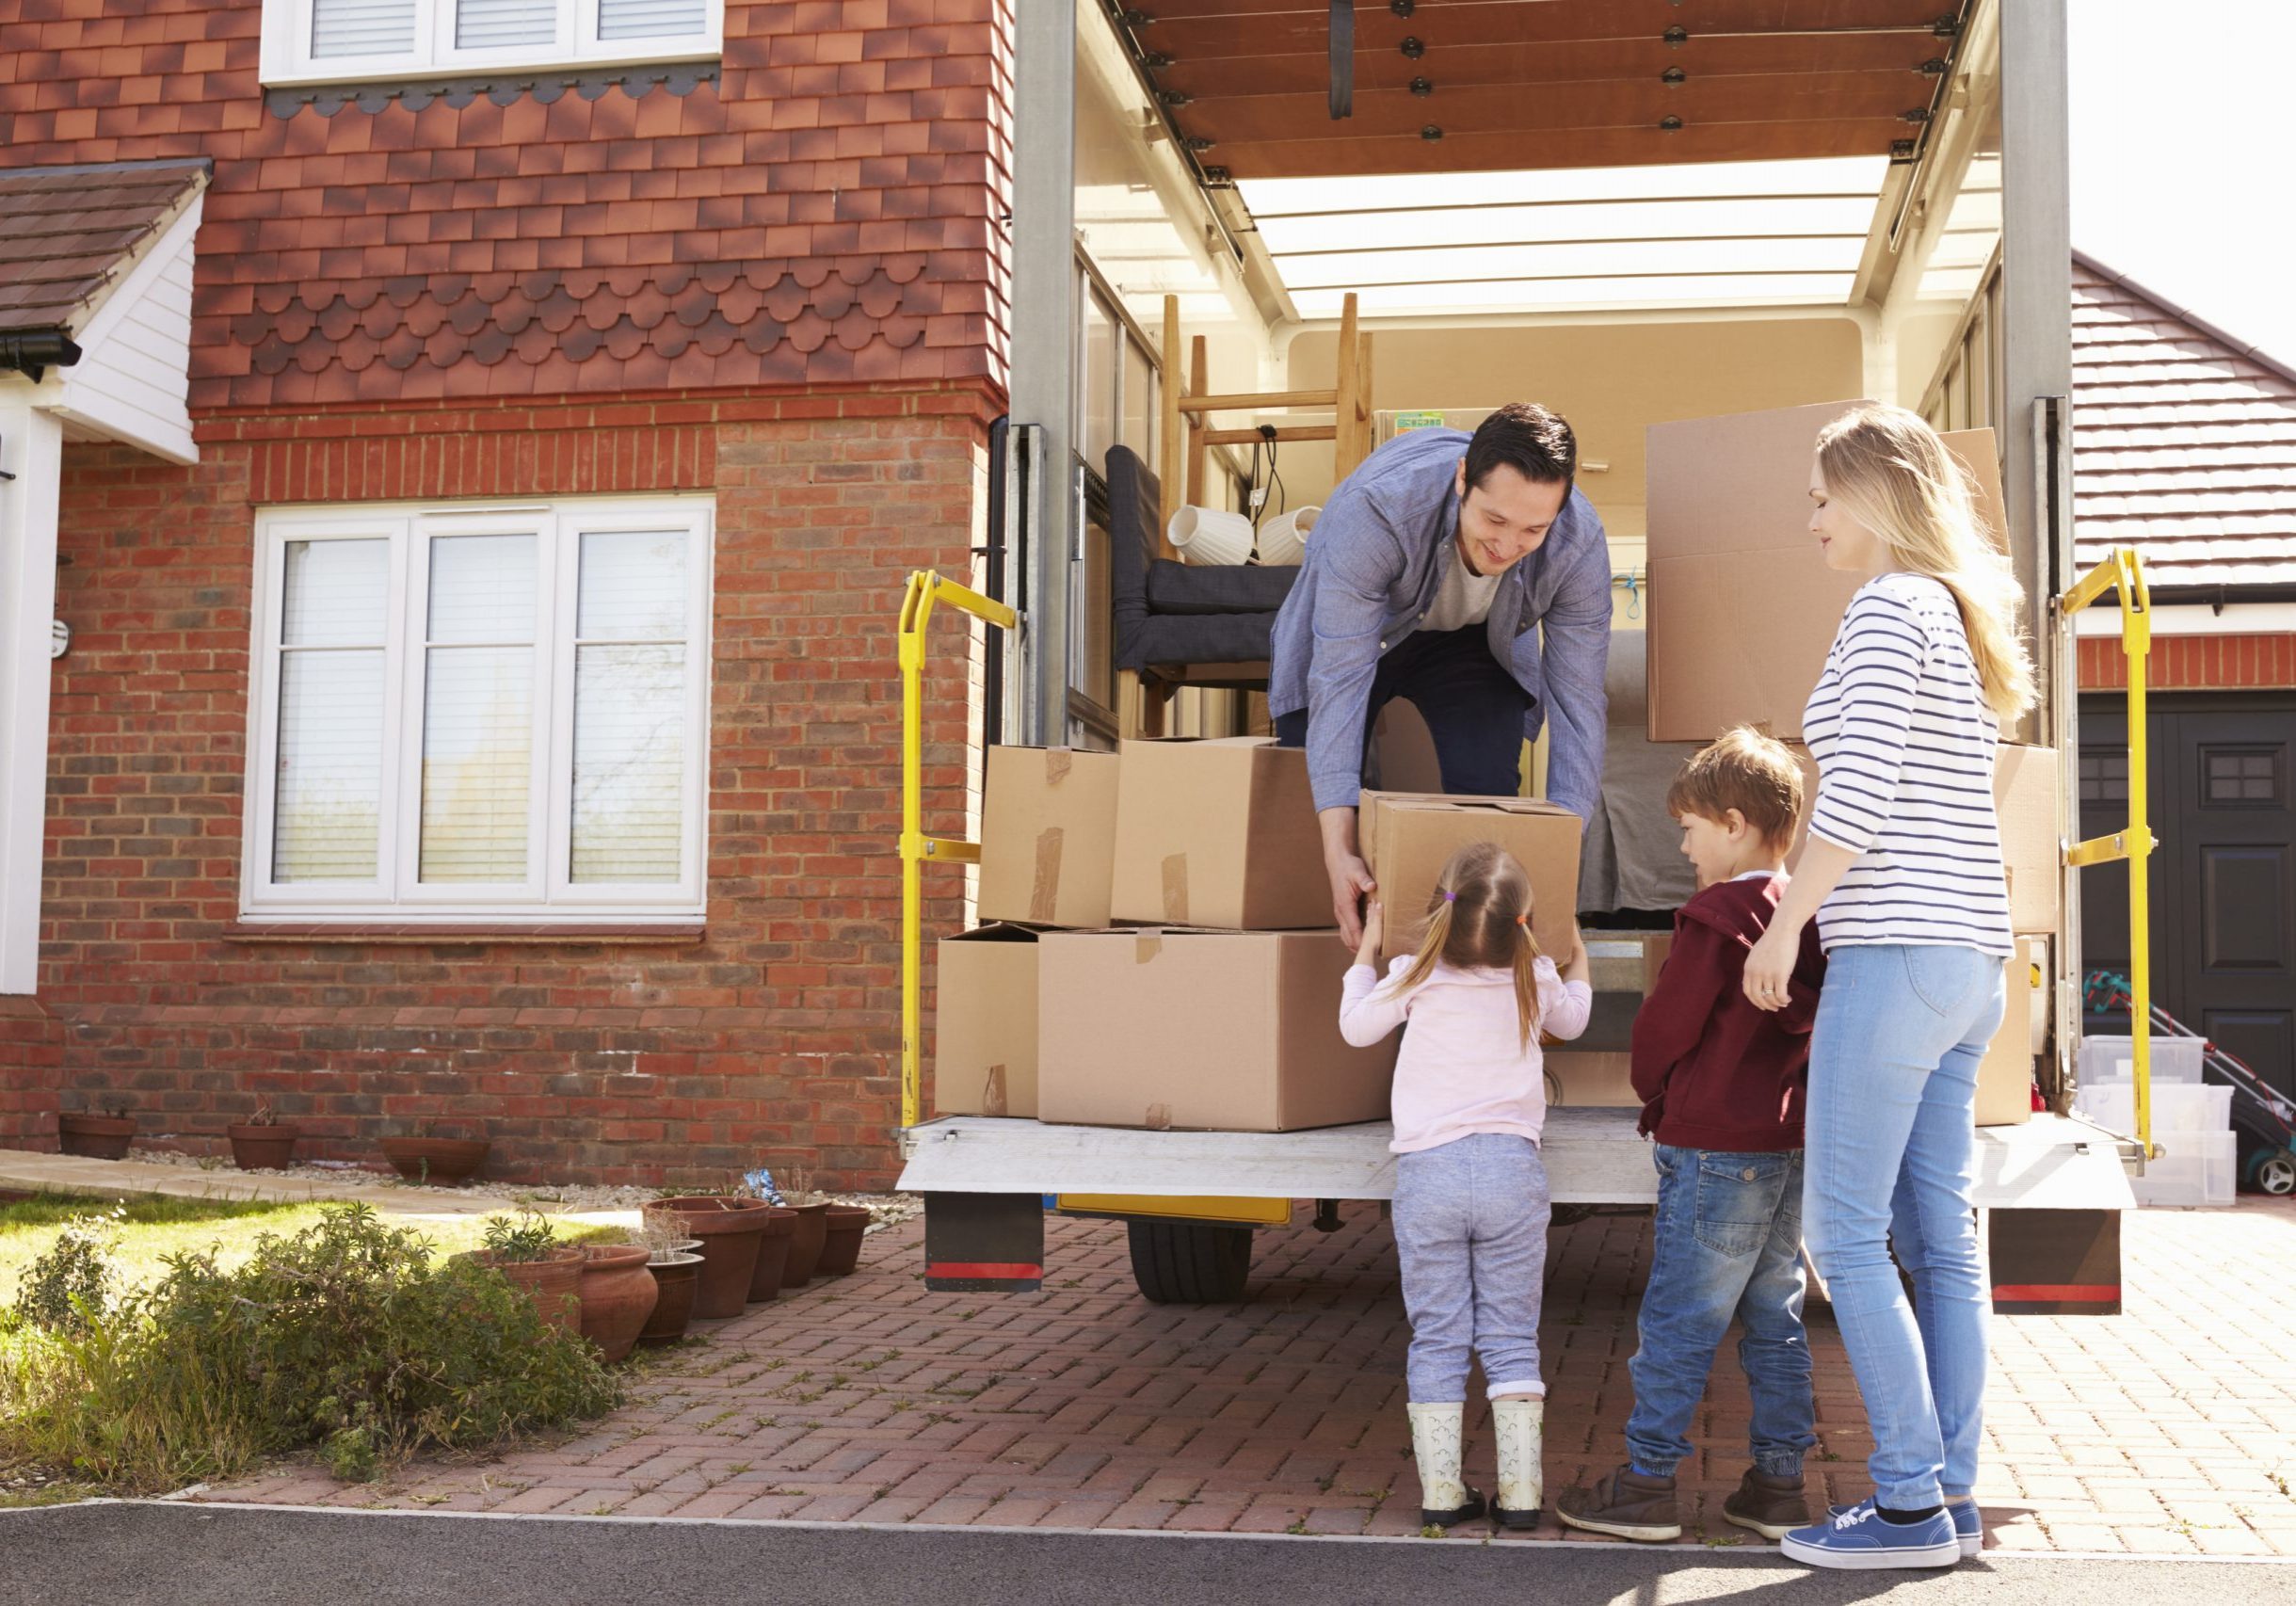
(827, 211)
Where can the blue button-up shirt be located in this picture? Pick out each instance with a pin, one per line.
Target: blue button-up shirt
(1372, 567)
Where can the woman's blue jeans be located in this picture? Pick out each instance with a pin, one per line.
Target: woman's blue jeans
(1891, 1163)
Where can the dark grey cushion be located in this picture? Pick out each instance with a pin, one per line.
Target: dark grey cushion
(1222, 588)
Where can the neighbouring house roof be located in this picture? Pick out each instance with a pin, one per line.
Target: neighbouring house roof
(2184, 439)
(69, 236)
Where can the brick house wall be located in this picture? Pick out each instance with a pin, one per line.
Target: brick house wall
(2194, 663)
(782, 282)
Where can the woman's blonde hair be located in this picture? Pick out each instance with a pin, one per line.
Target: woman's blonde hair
(1479, 918)
(1891, 472)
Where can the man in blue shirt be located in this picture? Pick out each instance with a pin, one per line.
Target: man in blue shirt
(1433, 574)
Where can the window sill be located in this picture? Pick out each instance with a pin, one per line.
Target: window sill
(394, 933)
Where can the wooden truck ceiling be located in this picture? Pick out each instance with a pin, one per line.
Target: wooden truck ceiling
(1465, 86)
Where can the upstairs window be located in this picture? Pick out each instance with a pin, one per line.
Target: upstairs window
(337, 40)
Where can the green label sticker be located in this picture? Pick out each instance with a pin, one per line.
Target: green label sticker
(1418, 420)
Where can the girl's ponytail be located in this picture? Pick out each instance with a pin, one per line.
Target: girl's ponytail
(1479, 918)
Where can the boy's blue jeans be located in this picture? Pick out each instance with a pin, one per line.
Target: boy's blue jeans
(1727, 1244)
(1893, 1162)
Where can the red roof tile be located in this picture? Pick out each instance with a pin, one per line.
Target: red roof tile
(2184, 439)
(67, 236)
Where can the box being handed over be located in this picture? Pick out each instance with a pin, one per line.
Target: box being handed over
(1407, 838)
(1212, 1031)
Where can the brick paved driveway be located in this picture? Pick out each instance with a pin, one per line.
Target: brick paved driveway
(2171, 1428)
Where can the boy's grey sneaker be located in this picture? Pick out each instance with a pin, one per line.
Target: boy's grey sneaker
(1968, 1524)
(1859, 1540)
(1625, 1505)
(1771, 1505)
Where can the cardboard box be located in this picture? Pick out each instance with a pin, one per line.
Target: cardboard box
(985, 1024)
(2025, 783)
(2005, 1075)
(1218, 834)
(1743, 608)
(1048, 836)
(1578, 1079)
(1202, 1029)
(1407, 838)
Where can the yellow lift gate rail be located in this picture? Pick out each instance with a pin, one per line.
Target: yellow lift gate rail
(2122, 575)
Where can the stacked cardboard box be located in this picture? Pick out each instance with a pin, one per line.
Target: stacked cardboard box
(1742, 611)
(1157, 947)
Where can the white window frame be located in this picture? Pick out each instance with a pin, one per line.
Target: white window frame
(286, 57)
(547, 896)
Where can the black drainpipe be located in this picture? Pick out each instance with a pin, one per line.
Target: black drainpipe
(32, 352)
(2219, 597)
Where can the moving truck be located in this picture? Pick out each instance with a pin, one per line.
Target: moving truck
(1696, 232)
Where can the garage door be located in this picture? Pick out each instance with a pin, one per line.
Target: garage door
(2223, 881)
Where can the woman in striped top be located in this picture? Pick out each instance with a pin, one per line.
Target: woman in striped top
(1902, 872)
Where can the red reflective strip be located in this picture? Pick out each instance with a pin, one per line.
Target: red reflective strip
(1017, 1270)
(2077, 1292)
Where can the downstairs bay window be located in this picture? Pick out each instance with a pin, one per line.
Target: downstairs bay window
(480, 714)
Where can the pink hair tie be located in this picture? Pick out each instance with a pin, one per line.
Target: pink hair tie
(1451, 897)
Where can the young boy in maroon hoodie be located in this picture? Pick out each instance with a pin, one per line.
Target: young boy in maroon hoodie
(1722, 1084)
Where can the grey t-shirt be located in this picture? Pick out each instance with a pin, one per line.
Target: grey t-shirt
(1462, 598)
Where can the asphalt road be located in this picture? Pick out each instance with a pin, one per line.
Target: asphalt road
(128, 1554)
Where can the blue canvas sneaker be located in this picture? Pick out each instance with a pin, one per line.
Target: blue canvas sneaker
(1859, 1539)
(1968, 1523)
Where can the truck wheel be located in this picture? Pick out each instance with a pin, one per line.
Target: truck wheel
(1188, 1262)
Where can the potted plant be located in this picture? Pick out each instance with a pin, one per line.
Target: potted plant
(811, 1234)
(262, 1143)
(446, 1162)
(773, 1242)
(527, 1249)
(95, 1136)
(841, 1249)
(676, 1270)
(619, 1295)
(730, 1229)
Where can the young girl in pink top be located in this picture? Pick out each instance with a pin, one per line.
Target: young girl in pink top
(1472, 1206)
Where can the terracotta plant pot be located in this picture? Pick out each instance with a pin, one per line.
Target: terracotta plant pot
(444, 1162)
(805, 1245)
(730, 1229)
(554, 1285)
(263, 1149)
(617, 1296)
(96, 1137)
(674, 1282)
(773, 1255)
(841, 1249)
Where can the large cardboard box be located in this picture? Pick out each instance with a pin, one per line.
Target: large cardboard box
(2025, 783)
(1407, 838)
(1580, 1078)
(1201, 1030)
(1743, 608)
(2005, 1075)
(985, 1024)
(1221, 834)
(1048, 836)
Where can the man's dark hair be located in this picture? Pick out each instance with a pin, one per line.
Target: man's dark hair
(1533, 440)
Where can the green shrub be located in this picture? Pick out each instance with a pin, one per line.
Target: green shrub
(343, 1335)
(526, 1238)
(76, 1282)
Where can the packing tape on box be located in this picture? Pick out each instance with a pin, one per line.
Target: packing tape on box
(1176, 889)
(1159, 1117)
(1044, 892)
(1146, 949)
(992, 1092)
(1058, 762)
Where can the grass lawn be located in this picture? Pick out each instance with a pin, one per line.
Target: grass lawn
(158, 1225)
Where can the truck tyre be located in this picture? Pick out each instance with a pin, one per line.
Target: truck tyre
(1188, 1262)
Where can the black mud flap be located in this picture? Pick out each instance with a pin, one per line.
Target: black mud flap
(984, 1243)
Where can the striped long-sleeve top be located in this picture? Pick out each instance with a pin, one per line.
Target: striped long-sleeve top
(1904, 743)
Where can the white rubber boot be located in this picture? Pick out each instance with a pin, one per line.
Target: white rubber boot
(1444, 1500)
(1519, 1426)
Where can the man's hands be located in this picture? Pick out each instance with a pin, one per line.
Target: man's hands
(1350, 878)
